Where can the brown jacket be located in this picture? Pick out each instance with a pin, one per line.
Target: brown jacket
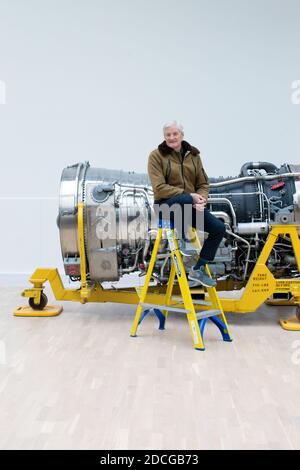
(170, 176)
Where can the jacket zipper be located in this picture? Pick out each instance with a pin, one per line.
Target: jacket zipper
(182, 174)
(182, 160)
(168, 171)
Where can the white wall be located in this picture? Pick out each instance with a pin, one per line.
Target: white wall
(29, 238)
(95, 80)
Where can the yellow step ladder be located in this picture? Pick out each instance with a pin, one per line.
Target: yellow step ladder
(197, 311)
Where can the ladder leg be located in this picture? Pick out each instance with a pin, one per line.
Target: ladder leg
(159, 315)
(202, 324)
(185, 290)
(161, 318)
(195, 331)
(147, 281)
(219, 320)
(169, 289)
(222, 327)
(144, 314)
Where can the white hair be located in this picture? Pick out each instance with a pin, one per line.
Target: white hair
(173, 124)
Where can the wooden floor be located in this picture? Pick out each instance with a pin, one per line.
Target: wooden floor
(79, 381)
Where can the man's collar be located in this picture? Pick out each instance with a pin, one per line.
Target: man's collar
(166, 150)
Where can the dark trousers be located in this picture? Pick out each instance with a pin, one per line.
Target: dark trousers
(212, 225)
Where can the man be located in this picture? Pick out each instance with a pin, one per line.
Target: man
(178, 178)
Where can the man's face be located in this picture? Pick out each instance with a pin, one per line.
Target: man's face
(173, 138)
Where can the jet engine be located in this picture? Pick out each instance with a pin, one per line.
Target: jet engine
(120, 224)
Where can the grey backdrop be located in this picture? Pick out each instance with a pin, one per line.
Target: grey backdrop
(95, 80)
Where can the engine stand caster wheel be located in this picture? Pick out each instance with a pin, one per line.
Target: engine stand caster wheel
(41, 305)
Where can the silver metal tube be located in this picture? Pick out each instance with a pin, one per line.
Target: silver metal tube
(243, 179)
(260, 197)
(147, 243)
(251, 228)
(249, 248)
(139, 192)
(133, 267)
(164, 264)
(248, 194)
(223, 215)
(224, 199)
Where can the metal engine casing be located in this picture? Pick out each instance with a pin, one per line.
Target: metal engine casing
(115, 201)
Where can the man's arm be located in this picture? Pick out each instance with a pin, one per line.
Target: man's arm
(202, 183)
(161, 189)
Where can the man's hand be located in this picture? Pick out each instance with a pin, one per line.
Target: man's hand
(198, 199)
(200, 206)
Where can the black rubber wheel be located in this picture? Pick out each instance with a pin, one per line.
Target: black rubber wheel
(298, 313)
(41, 305)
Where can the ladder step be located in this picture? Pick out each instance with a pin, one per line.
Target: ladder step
(208, 313)
(195, 302)
(164, 307)
(202, 302)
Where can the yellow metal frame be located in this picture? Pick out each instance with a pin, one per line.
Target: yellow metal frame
(260, 286)
(48, 311)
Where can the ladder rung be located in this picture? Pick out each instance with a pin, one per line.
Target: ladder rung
(196, 302)
(164, 307)
(201, 302)
(207, 313)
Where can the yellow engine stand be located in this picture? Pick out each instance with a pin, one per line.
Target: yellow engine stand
(291, 324)
(48, 311)
(260, 286)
